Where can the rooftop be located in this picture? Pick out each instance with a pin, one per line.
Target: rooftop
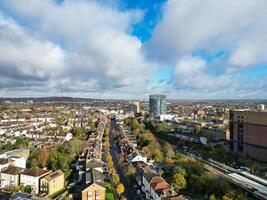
(35, 172)
(12, 170)
(54, 175)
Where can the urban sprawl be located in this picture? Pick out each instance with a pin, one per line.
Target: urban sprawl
(154, 149)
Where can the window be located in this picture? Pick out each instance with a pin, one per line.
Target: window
(89, 195)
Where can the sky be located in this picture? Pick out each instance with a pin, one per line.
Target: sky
(186, 49)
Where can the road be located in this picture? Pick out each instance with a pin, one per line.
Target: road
(129, 192)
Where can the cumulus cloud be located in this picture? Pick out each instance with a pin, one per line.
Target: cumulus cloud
(78, 44)
(87, 47)
(239, 27)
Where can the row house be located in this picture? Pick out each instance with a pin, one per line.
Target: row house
(10, 177)
(31, 177)
(52, 183)
(41, 181)
(156, 188)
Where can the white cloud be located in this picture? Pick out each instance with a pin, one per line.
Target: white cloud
(192, 72)
(239, 27)
(98, 50)
(27, 54)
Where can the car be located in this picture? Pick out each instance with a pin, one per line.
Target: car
(71, 185)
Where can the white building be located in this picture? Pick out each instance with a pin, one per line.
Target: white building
(18, 161)
(31, 177)
(10, 177)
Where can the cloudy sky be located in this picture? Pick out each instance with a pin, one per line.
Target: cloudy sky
(186, 49)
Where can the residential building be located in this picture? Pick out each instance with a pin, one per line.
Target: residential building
(18, 161)
(156, 188)
(10, 177)
(248, 133)
(31, 177)
(94, 164)
(93, 187)
(52, 183)
(157, 105)
(137, 107)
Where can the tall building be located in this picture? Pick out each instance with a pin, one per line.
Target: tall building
(137, 107)
(157, 105)
(248, 133)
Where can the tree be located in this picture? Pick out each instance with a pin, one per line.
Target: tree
(78, 132)
(21, 143)
(168, 160)
(162, 127)
(179, 181)
(111, 171)
(107, 130)
(43, 157)
(130, 170)
(120, 189)
(198, 129)
(168, 150)
(34, 162)
(134, 124)
(157, 155)
(115, 178)
(212, 197)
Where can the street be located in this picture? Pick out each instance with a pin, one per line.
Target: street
(129, 192)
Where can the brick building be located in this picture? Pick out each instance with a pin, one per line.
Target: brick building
(248, 133)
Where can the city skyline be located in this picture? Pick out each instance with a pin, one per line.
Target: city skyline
(128, 50)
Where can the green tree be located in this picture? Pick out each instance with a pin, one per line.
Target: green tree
(78, 132)
(115, 178)
(162, 127)
(212, 197)
(21, 143)
(168, 150)
(179, 181)
(198, 129)
(157, 154)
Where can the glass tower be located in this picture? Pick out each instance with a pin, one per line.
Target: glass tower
(157, 105)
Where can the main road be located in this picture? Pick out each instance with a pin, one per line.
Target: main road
(129, 191)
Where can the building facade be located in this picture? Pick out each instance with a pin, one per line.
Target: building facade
(10, 177)
(52, 183)
(31, 177)
(248, 134)
(137, 107)
(157, 105)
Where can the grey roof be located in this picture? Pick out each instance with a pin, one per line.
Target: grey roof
(93, 164)
(12, 170)
(94, 176)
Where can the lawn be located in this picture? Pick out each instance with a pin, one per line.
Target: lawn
(109, 196)
(109, 192)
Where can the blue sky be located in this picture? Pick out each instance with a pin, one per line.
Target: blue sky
(186, 49)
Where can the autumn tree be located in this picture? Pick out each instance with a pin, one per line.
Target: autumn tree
(130, 170)
(168, 150)
(120, 189)
(43, 157)
(115, 179)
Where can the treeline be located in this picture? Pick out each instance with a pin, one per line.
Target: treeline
(111, 169)
(149, 143)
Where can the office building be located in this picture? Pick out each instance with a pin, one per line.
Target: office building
(157, 105)
(248, 134)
